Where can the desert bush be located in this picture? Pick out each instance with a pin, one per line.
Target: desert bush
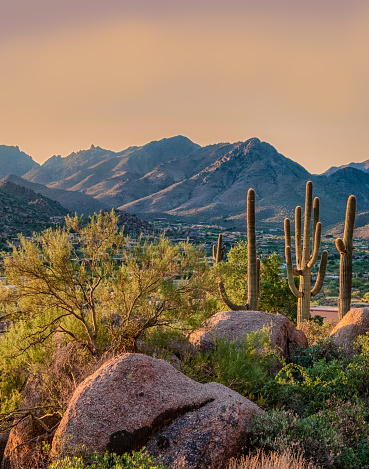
(273, 460)
(322, 349)
(243, 366)
(70, 287)
(316, 331)
(335, 437)
(139, 460)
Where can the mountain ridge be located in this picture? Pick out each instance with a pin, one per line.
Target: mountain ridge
(175, 177)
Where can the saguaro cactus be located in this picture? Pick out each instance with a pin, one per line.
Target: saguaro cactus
(345, 248)
(253, 263)
(305, 261)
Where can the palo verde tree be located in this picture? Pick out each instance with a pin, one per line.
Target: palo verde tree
(88, 283)
(55, 279)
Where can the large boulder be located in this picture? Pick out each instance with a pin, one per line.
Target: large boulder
(352, 325)
(234, 325)
(135, 400)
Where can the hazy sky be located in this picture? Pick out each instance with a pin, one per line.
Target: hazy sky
(117, 73)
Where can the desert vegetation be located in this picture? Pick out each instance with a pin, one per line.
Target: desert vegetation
(76, 296)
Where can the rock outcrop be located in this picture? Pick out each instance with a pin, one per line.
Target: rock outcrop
(351, 326)
(135, 400)
(233, 325)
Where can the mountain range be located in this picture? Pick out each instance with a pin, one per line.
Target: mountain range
(178, 179)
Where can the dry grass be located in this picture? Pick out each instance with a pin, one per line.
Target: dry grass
(285, 460)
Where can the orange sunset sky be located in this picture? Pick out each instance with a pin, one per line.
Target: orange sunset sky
(117, 73)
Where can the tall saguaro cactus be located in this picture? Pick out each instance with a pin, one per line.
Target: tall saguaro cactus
(304, 260)
(253, 263)
(345, 248)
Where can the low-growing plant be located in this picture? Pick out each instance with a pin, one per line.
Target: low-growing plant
(243, 365)
(335, 437)
(316, 331)
(138, 460)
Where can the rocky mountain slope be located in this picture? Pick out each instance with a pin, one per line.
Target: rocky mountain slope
(24, 211)
(73, 201)
(14, 161)
(175, 177)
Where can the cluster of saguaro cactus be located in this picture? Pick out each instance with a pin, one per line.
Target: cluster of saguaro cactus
(345, 248)
(253, 263)
(304, 260)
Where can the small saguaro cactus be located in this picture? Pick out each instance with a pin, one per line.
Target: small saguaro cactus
(304, 260)
(253, 263)
(345, 248)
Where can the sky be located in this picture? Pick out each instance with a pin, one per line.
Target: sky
(117, 73)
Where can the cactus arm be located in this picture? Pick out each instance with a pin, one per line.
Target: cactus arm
(340, 245)
(298, 231)
(318, 234)
(291, 282)
(307, 223)
(316, 210)
(257, 278)
(252, 299)
(232, 306)
(350, 219)
(287, 232)
(287, 238)
(218, 249)
(321, 274)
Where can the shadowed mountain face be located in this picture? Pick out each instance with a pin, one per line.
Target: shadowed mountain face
(176, 177)
(14, 161)
(74, 202)
(24, 211)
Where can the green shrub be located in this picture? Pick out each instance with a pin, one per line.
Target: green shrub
(335, 437)
(244, 366)
(141, 460)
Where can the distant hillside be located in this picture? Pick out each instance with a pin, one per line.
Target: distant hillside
(14, 161)
(86, 168)
(361, 227)
(364, 166)
(73, 201)
(134, 227)
(24, 211)
(175, 178)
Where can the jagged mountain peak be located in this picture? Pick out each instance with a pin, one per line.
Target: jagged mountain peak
(13, 160)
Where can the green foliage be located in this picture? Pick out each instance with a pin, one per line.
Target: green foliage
(139, 460)
(243, 366)
(275, 294)
(335, 437)
(315, 329)
(88, 285)
(322, 407)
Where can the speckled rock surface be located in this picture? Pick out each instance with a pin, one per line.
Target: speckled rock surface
(135, 400)
(352, 325)
(233, 325)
